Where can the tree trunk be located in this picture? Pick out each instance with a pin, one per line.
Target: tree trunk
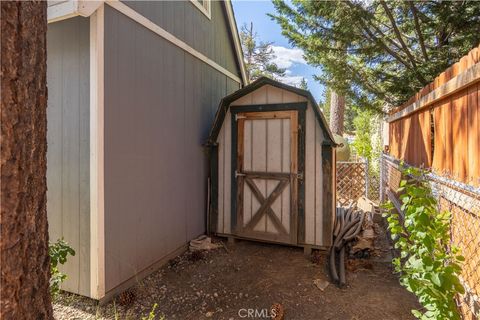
(337, 112)
(25, 263)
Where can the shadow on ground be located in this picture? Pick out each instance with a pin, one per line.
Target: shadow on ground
(225, 284)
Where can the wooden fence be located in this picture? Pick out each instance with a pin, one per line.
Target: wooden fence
(438, 128)
(352, 181)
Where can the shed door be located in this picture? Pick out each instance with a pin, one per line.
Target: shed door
(267, 175)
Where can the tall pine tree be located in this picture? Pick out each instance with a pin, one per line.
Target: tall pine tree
(258, 55)
(25, 262)
(379, 52)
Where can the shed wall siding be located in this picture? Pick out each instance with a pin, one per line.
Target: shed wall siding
(68, 195)
(159, 106)
(313, 163)
(189, 24)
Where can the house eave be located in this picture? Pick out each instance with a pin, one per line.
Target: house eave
(61, 10)
(236, 40)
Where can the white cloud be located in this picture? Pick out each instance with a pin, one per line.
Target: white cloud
(286, 57)
(292, 80)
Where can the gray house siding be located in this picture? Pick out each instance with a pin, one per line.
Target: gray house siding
(159, 105)
(68, 195)
(189, 24)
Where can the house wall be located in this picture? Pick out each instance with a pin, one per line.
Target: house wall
(313, 164)
(159, 105)
(189, 24)
(68, 203)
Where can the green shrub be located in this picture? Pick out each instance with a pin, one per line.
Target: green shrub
(58, 252)
(429, 265)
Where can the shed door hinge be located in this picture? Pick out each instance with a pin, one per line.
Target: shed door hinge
(239, 117)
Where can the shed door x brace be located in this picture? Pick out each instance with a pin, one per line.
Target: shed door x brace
(268, 171)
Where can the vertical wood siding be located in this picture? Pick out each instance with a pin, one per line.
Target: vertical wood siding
(68, 195)
(313, 161)
(267, 149)
(456, 130)
(159, 105)
(189, 24)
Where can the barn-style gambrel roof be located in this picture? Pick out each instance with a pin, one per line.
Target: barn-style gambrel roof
(226, 101)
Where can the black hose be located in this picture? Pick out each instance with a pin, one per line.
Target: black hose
(349, 237)
(333, 268)
(341, 267)
(348, 215)
(337, 224)
(339, 239)
(342, 218)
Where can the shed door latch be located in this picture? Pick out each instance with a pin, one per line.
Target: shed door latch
(299, 176)
(238, 174)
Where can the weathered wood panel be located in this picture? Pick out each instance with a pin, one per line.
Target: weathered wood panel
(285, 168)
(159, 106)
(319, 182)
(310, 164)
(227, 173)
(68, 195)
(313, 172)
(264, 151)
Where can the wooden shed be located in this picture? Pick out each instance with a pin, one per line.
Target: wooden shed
(272, 167)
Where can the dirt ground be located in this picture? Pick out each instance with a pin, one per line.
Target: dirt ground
(251, 277)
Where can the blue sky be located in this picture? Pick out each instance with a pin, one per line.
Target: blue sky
(247, 11)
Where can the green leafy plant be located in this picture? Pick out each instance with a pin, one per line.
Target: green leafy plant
(429, 265)
(152, 314)
(363, 133)
(58, 252)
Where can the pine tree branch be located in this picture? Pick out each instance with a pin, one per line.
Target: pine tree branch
(376, 39)
(397, 33)
(418, 30)
(384, 46)
(400, 39)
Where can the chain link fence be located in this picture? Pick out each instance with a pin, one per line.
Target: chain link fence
(463, 201)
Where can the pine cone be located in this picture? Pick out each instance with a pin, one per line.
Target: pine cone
(316, 257)
(196, 255)
(126, 298)
(278, 312)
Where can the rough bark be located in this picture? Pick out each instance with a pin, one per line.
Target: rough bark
(25, 263)
(337, 113)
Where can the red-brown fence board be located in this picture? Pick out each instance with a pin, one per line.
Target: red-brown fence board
(456, 152)
(468, 61)
(441, 145)
(459, 110)
(472, 132)
(456, 127)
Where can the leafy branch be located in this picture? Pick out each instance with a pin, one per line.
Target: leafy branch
(58, 252)
(429, 265)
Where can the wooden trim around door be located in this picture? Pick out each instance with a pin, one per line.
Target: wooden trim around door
(301, 107)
